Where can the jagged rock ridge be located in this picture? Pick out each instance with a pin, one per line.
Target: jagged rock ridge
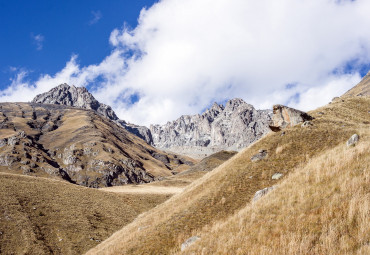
(233, 127)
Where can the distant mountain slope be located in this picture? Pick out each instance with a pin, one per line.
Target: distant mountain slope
(44, 216)
(230, 127)
(80, 97)
(77, 145)
(361, 89)
(223, 192)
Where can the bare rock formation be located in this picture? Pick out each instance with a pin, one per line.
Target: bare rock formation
(230, 127)
(284, 117)
(76, 97)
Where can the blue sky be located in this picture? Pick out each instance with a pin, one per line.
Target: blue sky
(65, 27)
(154, 61)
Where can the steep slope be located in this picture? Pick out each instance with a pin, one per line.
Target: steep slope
(77, 145)
(44, 216)
(361, 89)
(80, 97)
(232, 127)
(230, 187)
(321, 208)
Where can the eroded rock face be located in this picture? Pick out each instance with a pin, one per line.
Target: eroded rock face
(284, 117)
(229, 127)
(80, 97)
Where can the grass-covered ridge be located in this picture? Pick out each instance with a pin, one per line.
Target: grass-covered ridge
(220, 194)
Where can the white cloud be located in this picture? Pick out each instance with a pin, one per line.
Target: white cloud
(96, 16)
(38, 41)
(184, 55)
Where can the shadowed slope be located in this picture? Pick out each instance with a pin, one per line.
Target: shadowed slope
(227, 189)
(44, 216)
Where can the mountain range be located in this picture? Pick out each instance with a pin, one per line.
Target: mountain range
(229, 127)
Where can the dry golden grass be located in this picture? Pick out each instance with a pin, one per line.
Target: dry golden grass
(322, 207)
(143, 189)
(43, 216)
(226, 190)
(361, 89)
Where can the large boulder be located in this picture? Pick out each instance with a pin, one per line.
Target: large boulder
(284, 117)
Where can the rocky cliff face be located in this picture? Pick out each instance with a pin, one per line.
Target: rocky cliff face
(231, 127)
(80, 97)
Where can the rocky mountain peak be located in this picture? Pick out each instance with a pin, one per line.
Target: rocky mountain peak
(237, 104)
(80, 97)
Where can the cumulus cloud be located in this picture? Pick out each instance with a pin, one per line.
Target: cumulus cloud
(38, 41)
(184, 55)
(96, 16)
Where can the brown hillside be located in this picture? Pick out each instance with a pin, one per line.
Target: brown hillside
(77, 145)
(44, 216)
(323, 207)
(224, 191)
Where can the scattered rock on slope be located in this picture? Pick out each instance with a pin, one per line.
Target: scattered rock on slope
(284, 117)
(353, 140)
(189, 242)
(263, 192)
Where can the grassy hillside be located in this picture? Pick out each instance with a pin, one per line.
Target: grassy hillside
(323, 207)
(220, 194)
(44, 216)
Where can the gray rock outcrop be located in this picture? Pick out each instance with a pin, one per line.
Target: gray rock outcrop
(353, 140)
(259, 156)
(262, 193)
(230, 127)
(284, 117)
(189, 242)
(80, 97)
(76, 97)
